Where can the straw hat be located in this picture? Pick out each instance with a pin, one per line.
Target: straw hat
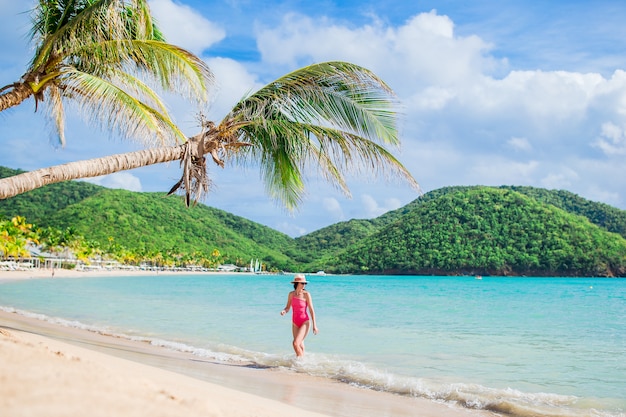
(299, 278)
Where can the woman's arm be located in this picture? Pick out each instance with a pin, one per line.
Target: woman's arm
(288, 306)
(312, 311)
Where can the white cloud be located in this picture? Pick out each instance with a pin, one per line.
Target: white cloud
(431, 98)
(332, 206)
(438, 72)
(563, 178)
(373, 209)
(539, 99)
(118, 180)
(185, 27)
(290, 229)
(612, 140)
(422, 52)
(520, 144)
(498, 170)
(233, 81)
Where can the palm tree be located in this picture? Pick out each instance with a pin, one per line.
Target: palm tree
(15, 236)
(99, 55)
(333, 116)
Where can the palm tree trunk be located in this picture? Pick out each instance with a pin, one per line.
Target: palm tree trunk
(17, 93)
(27, 181)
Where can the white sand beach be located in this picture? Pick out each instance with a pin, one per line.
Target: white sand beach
(74, 273)
(47, 369)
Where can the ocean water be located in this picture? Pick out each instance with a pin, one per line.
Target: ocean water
(520, 346)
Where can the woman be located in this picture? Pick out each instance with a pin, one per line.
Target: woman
(299, 300)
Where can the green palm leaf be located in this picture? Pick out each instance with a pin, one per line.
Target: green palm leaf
(78, 41)
(334, 117)
(114, 106)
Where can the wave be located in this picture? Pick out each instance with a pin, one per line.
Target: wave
(473, 396)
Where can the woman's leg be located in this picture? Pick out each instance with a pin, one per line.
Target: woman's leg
(299, 333)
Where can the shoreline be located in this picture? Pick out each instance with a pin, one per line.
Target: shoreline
(47, 366)
(47, 376)
(72, 273)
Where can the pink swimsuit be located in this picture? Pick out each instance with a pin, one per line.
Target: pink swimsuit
(300, 315)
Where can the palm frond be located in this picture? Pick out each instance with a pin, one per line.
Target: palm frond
(173, 67)
(139, 20)
(59, 25)
(56, 112)
(117, 41)
(343, 94)
(109, 33)
(137, 88)
(336, 117)
(115, 107)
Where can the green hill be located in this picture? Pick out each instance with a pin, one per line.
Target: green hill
(152, 222)
(603, 215)
(485, 230)
(37, 205)
(336, 237)
(453, 230)
(148, 223)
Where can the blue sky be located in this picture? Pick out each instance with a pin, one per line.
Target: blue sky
(493, 93)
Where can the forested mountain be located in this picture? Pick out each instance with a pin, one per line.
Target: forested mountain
(38, 204)
(485, 230)
(153, 222)
(333, 238)
(340, 235)
(148, 223)
(504, 230)
(603, 215)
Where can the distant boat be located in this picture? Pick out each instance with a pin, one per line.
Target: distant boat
(478, 277)
(320, 273)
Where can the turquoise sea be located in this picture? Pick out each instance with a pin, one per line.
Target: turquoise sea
(521, 346)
